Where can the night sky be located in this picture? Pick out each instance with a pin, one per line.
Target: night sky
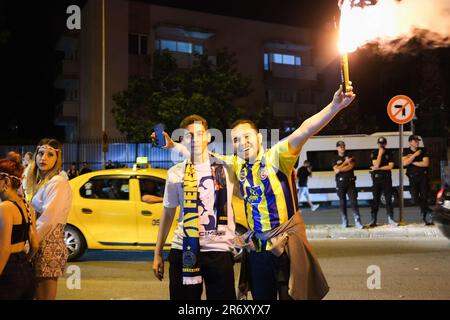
(29, 63)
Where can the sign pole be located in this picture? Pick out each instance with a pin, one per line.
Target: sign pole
(400, 178)
(401, 110)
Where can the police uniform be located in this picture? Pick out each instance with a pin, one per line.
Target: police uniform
(382, 182)
(418, 181)
(345, 185)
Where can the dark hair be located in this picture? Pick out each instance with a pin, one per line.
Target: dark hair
(245, 121)
(29, 153)
(12, 165)
(192, 119)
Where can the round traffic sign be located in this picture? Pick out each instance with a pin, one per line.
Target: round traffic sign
(401, 109)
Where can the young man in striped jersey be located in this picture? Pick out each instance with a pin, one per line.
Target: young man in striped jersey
(267, 185)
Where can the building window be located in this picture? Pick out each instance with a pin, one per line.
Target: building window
(178, 46)
(198, 48)
(184, 47)
(280, 58)
(138, 44)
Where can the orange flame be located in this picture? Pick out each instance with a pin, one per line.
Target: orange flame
(389, 20)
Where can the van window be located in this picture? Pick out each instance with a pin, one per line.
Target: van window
(323, 160)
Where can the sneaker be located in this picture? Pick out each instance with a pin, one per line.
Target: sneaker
(358, 225)
(315, 207)
(345, 225)
(428, 219)
(392, 222)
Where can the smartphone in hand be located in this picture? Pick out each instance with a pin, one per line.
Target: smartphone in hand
(160, 140)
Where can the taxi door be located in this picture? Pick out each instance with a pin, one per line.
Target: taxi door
(107, 211)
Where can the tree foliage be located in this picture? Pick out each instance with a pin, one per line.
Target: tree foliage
(171, 93)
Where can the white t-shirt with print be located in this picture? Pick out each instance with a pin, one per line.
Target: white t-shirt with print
(210, 238)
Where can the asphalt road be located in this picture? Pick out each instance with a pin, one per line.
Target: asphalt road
(416, 268)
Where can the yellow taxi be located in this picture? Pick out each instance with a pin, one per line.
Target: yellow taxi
(120, 209)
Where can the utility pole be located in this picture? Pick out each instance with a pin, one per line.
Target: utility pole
(104, 135)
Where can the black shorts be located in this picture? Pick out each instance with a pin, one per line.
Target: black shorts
(17, 281)
(218, 276)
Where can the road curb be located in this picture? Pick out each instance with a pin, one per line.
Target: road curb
(320, 232)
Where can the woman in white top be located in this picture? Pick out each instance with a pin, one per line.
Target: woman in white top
(51, 198)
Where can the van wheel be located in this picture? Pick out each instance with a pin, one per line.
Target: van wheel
(240, 230)
(394, 200)
(75, 242)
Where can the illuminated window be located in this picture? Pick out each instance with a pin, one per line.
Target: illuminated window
(280, 58)
(178, 46)
(184, 47)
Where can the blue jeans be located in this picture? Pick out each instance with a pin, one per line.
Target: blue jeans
(269, 275)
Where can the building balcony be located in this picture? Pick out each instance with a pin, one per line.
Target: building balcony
(294, 110)
(293, 72)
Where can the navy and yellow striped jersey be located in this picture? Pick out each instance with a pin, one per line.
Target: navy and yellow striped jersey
(268, 187)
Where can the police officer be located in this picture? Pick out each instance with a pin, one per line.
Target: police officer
(382, 165)
(417, 164)
(343, 165)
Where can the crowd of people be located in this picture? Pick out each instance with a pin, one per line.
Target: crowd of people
(277, 260)
(35, 202)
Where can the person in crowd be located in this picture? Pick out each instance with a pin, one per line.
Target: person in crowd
(51, 198)
(417, 163)
(27, 158)
(381, 171)
(343, 165)
(109, 165)
(85, 168)
(17, 227)
(202, 245)
(73, 171)
(303, 173)
(148, 192)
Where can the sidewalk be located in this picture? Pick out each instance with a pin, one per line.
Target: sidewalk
(334, 231)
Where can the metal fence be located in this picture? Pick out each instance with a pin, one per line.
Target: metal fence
(121, 154)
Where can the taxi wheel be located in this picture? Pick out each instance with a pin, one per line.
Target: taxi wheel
(75, 242)
(238, 254)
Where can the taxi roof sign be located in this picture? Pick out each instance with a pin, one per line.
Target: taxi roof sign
(141, 160)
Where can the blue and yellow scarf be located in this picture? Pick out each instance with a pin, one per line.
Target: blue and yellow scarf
(191, 241)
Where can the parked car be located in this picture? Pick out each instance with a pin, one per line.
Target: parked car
(108, 211)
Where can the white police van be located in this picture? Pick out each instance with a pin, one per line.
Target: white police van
(321, 150)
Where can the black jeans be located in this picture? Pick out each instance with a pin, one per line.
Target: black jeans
(269, 275)
(345, 188)
(17, 281)
(419, 191)
(216, 269)
(382, 184)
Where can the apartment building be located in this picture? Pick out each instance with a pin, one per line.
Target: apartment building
(294, 71)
